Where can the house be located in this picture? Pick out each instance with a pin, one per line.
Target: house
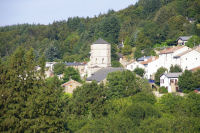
(70, 86)
(183, 39)
(166, 56)
(100, 56)
(100, 75)
(133, 65)
(49, 65)
(170, 81)
(144, 58)
(151, 66)
(188, 59)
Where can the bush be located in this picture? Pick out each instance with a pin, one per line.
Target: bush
(163, 90)
(139, 71)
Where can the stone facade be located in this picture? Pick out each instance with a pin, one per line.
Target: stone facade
(100, 56)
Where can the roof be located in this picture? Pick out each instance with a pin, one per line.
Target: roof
(149, 60)
(101, 74)
(74, 63)
(196, 68)
(183, 53)
(197, 48)
(171, 49)
(100, 41)
(184, 38)
(143, 58)
(70, 82)
(172, 75)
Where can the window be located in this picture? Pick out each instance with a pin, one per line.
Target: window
(171, 81)
(185, 58)
(162, 81)
(176, 81)
(102, 60)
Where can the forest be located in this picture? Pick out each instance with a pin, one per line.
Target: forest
(142, 26)
(31, 103)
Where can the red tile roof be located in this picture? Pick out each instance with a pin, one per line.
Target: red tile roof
(195, 69)
(149, 60)
(171, 49)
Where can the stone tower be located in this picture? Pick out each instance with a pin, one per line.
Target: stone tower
(100, 56)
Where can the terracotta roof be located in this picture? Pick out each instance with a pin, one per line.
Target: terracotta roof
(197, 48)
(195, 69)
(183, 53)
(171, 49)
(69, 82)
(149, 60)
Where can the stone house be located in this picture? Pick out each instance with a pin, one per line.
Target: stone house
(70, 86)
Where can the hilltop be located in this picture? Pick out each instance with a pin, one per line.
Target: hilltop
(143, 25)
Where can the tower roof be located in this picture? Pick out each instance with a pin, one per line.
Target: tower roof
(100, 41)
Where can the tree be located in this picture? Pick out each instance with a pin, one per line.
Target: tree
(127, 49)
(27, 102)
(71, 73)
(88, 100)
(186, 81)
(159, 72)
(193, 41)
(175, 68)
(139, 71)
(59, 68)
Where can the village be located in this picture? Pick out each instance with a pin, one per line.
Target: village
(99, 65)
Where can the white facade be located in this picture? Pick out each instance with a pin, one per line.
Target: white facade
(170, 81)
(151, 67)
(132, 66)
(166, 57)
(100, 56)
(188, 60)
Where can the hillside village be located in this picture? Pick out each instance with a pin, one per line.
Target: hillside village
(99, 65)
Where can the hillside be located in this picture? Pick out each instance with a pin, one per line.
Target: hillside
(143, 25)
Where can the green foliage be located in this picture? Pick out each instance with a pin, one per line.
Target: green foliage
(186, 81)
(147, 97)
(139, 71)
(127, 49)
(71, 73)
(115, 63)
(159, 72)
(59, 68)
(88, 100)
(121, 84)
(193, 41)
(175, 68)
(28, 102)
(163, 90)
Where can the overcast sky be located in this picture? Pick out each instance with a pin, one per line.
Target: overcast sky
(47, 11)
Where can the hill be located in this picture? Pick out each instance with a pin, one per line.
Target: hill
(143, 25)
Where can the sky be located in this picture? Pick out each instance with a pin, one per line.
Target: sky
(47, 11)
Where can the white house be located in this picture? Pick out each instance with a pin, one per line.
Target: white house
(170, 81)
(133, 65)
(183, 39)
(151, 66)
(166, 56)
(188, 59)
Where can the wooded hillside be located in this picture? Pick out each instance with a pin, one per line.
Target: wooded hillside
(143, 25)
